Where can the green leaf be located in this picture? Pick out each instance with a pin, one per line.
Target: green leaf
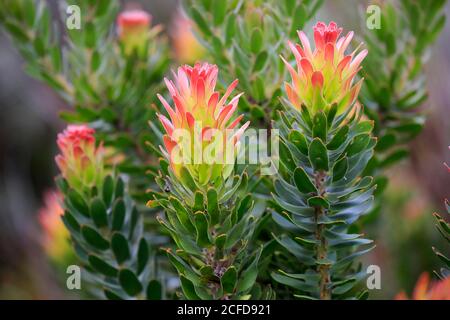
(120, 187)
(299, 141)
(77, 201)
(188, 289)
(318, 201)
(199, 202)
(94, 238)
(39, 46)
(318, 155)
(364, 127)
(118, 215)
(228, 280)
(129, 282)
(286, 156)
(202, 227)
(394, 158)
(90, 36)
(219, 11)
(230, 28)
(300, 16)
(303, 182)
(142, 256)
(182, 214)
(70, 222)
(390, 43)
(119, 245)
(358, 144)
(133, 222)
(187, 180)
(154, 290)
(96, 60)
(213, 206)
(244, 206)
(16, 31)
(340, 169)
(331, 114)
(102, 267)
(249, 275)
(320, 126)
(339, 138)
(98, 212)
(108, 190)
(260, 61)
(111, 295)
(386, 142)
(256, 40)
(221, 239)
(200, 21)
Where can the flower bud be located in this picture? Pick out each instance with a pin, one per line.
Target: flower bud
(133, 29)
(326, 75)
(80, 161)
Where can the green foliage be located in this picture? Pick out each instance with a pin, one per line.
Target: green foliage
(246, 39)
(107, 232)
(394, 86)
(319, 194)
(212, 228)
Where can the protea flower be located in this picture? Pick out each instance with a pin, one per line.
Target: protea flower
(439, 290)
(201, 134)
(133, 29)
(56, 237)
(326, 75)
(80, 161)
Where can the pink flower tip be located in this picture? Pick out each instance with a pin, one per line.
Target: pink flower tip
(131, 18)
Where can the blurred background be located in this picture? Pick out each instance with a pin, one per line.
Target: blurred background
(29, 123)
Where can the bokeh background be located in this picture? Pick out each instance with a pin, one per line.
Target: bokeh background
(29, 123)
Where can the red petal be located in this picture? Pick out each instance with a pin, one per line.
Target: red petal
(317, 79)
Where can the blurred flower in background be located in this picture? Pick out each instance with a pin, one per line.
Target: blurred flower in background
(133, 29)
(424, 290)
(55, 237)
(186, 47)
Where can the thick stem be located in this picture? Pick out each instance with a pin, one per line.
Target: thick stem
(322, 247)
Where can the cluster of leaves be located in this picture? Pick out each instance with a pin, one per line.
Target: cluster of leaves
(320, 193)
(107, 233)
(212, 228)
(444, 229)
(394, 86)
(246, 38)
(108, 89)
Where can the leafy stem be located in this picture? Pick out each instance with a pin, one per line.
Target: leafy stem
(322, 245)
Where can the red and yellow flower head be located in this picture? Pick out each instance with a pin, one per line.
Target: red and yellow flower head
(80, 161)
(133, 29)
(201, 131)
(326, 74)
